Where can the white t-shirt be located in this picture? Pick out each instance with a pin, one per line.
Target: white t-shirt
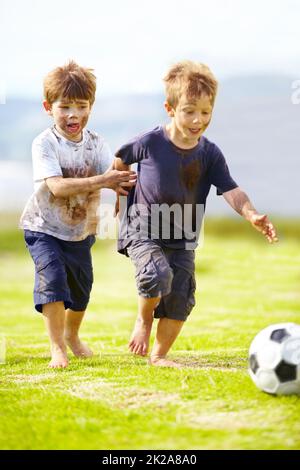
(72, 218)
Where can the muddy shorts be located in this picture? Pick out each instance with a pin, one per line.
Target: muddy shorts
(63, 270)
(166, 273)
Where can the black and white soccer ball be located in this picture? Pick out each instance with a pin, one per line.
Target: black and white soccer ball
(274, 359)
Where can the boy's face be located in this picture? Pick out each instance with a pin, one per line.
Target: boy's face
(70, 117)
(190, 118)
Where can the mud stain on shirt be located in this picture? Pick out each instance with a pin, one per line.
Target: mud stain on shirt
(190, 174)
(75, 209)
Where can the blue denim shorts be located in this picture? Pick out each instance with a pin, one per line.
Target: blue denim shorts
(167, 273)
(63, 270)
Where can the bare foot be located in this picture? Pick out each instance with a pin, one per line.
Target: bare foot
(78, 348)
(58, 357)
(139, 342)
(163, 362)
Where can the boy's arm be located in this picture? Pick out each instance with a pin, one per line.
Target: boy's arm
(119, 165)
(241, 203)
(112, 179)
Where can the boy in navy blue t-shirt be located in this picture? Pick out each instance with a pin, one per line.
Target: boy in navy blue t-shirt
(160, 226)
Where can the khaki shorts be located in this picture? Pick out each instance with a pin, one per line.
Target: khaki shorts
(167, 273)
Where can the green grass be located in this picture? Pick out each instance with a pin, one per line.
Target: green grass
(117, 401)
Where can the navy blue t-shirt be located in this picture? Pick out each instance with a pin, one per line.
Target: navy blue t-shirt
(169, 176)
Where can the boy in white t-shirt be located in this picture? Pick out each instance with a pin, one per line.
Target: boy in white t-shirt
(70, 166)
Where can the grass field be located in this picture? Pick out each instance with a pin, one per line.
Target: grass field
(117, 401)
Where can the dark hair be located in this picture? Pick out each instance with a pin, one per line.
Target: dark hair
(70, 81)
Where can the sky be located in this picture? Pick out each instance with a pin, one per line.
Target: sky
(131, 43)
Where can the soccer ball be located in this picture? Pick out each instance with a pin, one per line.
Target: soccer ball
(274, 359)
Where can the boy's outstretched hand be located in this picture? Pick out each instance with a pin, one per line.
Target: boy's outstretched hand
(240, 202)
(119, 181)
(263, 225)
